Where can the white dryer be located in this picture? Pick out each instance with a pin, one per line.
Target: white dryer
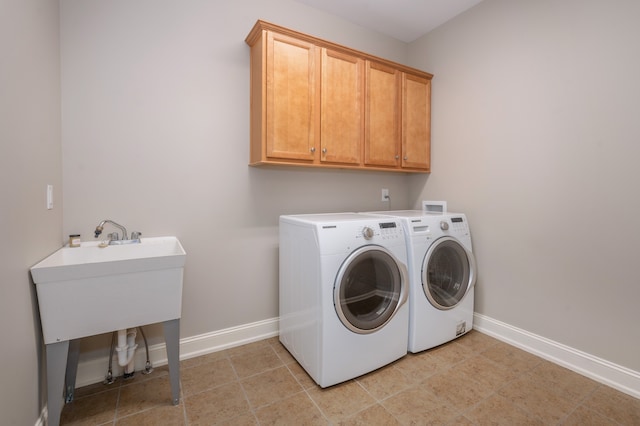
(442, 275)
(343, 292)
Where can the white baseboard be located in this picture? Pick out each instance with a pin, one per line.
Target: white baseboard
(94, 371)
(42, 420)
(600, 370)
(616, 376)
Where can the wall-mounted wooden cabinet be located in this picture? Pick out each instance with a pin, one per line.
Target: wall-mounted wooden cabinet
(416, 121)
(289, 94)
(382, 116)
(316, 103)
(341, 108)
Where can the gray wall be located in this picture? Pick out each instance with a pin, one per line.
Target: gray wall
(535, 137)
(29, 160)
(156, 137)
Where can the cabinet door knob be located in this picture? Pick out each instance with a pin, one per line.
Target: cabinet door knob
(397, 156)
(324, 150)
(406, 158)
(313, 149)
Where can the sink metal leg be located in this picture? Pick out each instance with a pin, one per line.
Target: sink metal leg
(72, 369)
(56, 362)
(172, 340)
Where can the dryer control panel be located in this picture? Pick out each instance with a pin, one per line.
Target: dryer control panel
(458, 224)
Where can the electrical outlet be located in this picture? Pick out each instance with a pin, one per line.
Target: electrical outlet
(385, 195)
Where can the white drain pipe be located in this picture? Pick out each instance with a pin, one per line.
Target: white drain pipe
(127, 349)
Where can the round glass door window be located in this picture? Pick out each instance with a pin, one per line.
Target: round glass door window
(448, 272)
(369, 289)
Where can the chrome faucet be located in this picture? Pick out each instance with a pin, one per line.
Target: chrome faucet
(100, 227)
(114, 238)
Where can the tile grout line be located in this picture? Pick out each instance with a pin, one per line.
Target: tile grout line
(377, 401)
(494, 392)
(581, 402)
(244, 392)
(115, 412)
(283, 365)
(306, 391)
(460, 413)
(184, 403)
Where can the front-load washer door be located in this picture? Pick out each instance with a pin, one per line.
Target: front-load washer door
(448, 273)
(370, 287)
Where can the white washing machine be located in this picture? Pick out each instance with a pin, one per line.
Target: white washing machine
(343, 293)
(442, 276)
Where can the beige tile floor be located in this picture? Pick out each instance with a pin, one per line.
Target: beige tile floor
(474, 380)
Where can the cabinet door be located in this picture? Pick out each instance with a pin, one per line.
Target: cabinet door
(382, 116)
(416, 122)
(341, 132)
(292, 98)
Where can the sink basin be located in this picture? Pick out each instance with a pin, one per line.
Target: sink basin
(88, 290)
(91, 260)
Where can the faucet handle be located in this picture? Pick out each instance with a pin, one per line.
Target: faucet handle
(113, 236)
(135, 235)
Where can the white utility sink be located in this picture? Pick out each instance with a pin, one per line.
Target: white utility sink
(88, 290)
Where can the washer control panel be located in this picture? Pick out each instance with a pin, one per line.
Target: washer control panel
(386, 230)
(367, 233)
(391, 230)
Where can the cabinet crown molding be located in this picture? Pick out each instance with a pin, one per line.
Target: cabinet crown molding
(262, 25)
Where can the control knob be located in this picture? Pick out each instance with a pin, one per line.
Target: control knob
(367, 233)
(444, 225)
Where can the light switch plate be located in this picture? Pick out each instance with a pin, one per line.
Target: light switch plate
(49, 197)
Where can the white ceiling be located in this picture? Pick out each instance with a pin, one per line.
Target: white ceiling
(405, 20)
